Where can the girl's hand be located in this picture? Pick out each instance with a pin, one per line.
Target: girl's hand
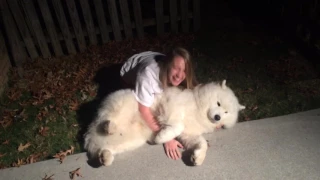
(171, 148)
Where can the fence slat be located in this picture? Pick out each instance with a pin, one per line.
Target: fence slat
(138, 18)
(22, 26)
(101, 21)
(126, 18)
(173, 16)
(61, 17)
(76, 25)
(18, 53)
(51, 29)
(89, 22)
(159, 16)
(114, 19)
(184, 16)
(36, 27)
(5, 64)
(196, 15)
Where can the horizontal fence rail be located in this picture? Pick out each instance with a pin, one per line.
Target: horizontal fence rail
(53, 28)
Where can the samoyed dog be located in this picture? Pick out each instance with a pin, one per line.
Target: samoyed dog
(183, 114)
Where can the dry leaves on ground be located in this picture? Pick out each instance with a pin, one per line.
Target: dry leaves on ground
(254, 108)
(75, 173)
(18, 163)
(48, 177)
(62, 154)
(23, 147)
(33, 158)
(43, 131)
(5, 142)
(1, 155)
(249, 90)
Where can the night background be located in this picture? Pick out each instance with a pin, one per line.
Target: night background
(268, 51)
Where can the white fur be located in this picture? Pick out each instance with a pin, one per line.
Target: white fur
(183, 114)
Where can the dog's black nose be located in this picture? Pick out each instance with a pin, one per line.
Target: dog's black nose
(217, 117)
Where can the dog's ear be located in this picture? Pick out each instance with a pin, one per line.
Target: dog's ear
(224, 84)
(241, 107)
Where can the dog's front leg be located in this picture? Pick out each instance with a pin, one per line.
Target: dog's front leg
(200, 151)
(199, 146)
(168, 133)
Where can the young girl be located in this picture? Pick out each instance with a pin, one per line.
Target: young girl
(148, 73)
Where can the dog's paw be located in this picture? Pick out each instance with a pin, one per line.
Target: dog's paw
(106, 158)
(158, 139)
(109, 127)
(197, 157)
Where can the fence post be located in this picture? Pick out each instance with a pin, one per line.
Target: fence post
(88, 22)
(61, 17)
(76, 25)
(114, 20)
(184, 16)
(196, 15)
(138, 18)
(173, 16)
(18, 53)
(5, 64)
(101, 21)
(23, 28)
(35, 23)
(50, 27)
(126, 21)
(159, 16)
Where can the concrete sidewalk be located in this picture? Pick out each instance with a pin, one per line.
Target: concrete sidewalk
(285, 147)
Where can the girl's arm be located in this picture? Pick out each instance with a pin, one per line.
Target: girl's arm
(171, 147)
(148, 117)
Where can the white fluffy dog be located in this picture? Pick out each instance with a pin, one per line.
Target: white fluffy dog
(183, 114)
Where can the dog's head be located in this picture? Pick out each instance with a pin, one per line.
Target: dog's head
(222, 106)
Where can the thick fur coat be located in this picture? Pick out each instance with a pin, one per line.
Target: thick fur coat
(183, 114)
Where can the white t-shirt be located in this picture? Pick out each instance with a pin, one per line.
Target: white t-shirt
(142, 70)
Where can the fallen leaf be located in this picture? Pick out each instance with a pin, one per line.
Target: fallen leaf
(62, 154)
(83, 96)
(43, 131)
(48, 177)
(208, 143)
(74, 105)
(5, 123)
(75, 173)
(18, 163)
(249, 90)
(30, 159)
(6, 142)
(247, 118)
(71, 150)
(23, 147)
(254, 108)
(1, 155)
(33, 158)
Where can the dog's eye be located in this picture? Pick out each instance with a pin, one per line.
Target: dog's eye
(226, 112)
(218, 103)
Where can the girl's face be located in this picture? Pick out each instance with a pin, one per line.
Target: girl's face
(177, 71)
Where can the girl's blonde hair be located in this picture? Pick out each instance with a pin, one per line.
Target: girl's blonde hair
(166, 63)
